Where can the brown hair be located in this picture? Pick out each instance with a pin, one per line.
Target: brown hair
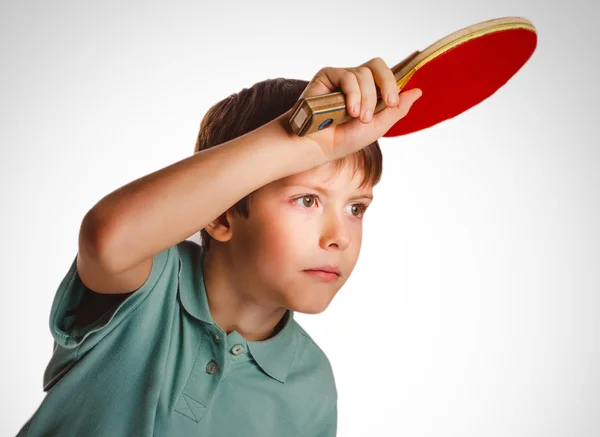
(253, 107)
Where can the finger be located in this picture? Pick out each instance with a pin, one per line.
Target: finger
(334, 79)
(368, 92)
(319, 84)
(385, 81)
(406, 99)
(385, 119)
(351, 90)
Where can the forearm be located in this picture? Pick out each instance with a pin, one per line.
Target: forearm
(164, 208)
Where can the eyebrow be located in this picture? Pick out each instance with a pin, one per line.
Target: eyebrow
(327, 192)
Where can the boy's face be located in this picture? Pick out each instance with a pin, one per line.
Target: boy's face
(294, 226)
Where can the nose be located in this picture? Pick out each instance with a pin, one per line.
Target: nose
(335, 232)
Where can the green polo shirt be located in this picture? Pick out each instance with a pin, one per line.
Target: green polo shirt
(154, 363)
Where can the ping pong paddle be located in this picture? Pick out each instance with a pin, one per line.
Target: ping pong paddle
(455, 73)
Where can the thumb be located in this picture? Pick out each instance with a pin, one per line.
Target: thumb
(386, 118)
(406, 100)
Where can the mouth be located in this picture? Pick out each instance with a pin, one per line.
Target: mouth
(323, 275)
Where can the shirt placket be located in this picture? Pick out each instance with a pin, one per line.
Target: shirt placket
(215, 359)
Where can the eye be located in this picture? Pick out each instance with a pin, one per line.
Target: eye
(307, 196)
(358, 207)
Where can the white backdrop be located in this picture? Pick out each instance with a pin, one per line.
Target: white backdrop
(473, 309)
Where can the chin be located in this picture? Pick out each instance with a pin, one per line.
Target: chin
(309, 310)
(313, 306)
(309, 299)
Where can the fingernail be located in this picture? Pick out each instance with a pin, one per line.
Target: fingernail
(393, 98)
(367, 115)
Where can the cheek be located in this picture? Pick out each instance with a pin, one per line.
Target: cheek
(283, 235)
(278, 239)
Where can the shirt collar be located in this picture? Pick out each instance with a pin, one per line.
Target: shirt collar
(274, 355)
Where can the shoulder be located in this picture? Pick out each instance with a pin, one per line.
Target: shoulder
(189, 251)
(314, 382)
(310, 345)
(311, 356)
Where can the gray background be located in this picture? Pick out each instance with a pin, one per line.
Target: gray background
(473, 309)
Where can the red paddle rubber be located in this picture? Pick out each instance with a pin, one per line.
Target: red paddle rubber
(464, 76)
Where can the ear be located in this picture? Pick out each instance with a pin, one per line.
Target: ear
(220, 228)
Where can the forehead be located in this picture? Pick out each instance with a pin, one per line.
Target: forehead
(325, 175)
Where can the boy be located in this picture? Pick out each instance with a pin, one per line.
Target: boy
(156, 335)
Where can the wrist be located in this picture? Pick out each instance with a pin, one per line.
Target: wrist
(309, 151)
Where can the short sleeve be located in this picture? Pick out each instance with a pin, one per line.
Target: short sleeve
(77, 328)
(70, 321)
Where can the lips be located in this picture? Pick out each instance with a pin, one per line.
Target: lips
(324, 273)
(327, 269)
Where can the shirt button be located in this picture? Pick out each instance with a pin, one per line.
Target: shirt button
(237, 349)
(216, 338)
(212, 367)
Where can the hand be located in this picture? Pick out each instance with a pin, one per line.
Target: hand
(358, 84)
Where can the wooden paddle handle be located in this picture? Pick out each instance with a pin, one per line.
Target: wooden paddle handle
(311, 114)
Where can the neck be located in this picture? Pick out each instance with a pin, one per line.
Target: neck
(234, 304)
